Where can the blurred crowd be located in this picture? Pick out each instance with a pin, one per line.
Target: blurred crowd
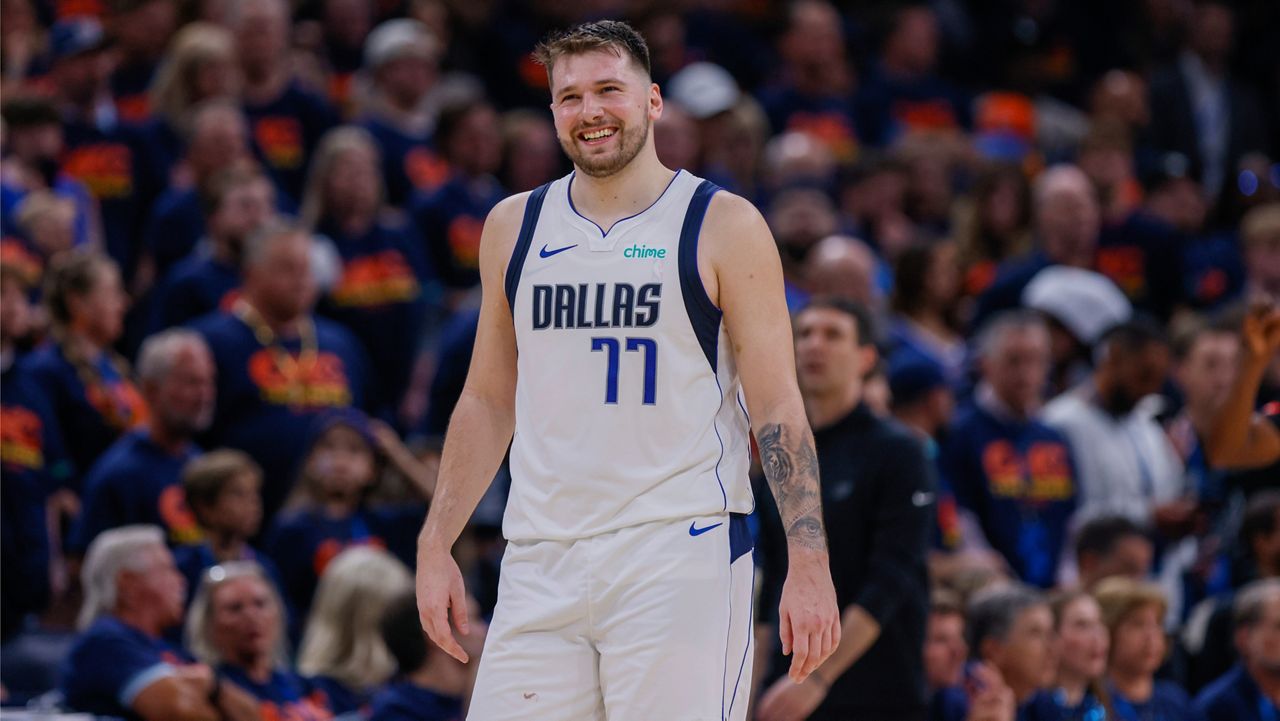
(240, 290)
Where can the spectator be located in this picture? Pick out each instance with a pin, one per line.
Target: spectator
(199, 66)
(1206, 358)
(1112, 546)
(141, 30)
(224, 492)
(1008, 468)
(926, 286)
(1249, 691)
(1133, 612)
(87, 383)
(219, 141)
(381, 294)
(1198, 108)
(285, 121)
(120, 665)
(845, 267)
(1124, 462)
(1079, 306)
(1260, 238)
(873, 201)
(32, 461)
(799, 218)
(994, 226)
(921, 399)
(48, 223)
(403, 58)
(452, 216)
(429, 684)
(137, 479)
(342, 650)
(531, 153)
(879, 515)
(945, 653)
(1238, 437)
(1011, 629)
(346, 25)
(235, 202)
(278, 365)
(330, 507)
(236, 626)
(1080, 641)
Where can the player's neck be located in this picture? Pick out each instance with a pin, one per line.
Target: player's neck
(608, 199)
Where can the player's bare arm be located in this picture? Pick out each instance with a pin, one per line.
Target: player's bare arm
(479, 432)
(739, 264)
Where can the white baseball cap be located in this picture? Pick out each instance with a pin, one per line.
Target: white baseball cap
(703, 89)
(1087, 303)
(399, 38)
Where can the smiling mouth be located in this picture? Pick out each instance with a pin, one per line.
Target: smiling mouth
(597, 135)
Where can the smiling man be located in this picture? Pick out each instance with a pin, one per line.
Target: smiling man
(627, 380)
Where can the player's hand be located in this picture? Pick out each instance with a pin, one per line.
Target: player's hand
(1262, 331)
(441, 594)
(787, 700)
(808, 619)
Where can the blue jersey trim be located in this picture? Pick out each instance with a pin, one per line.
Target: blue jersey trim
(751, 610)
(703, 314)
(532, 209)
(740, 542)
(605, 233)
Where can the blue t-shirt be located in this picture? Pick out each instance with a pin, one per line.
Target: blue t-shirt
(1018, 480)
(285, 134)
(91, 417)
(829, 118)
(136, 481)
(303, 542)
(32, 463)
(1168, 702)
(409, 163)
(284, 696)
(1053, 706)
(451, 220)
(196, 285)
(268, 395)
(404, 701)
(1235, 697)
(194, 559)
(174, 226)
(1212, 271)
(111, 663)
(64, 186)
(889, 107)
(341, 698)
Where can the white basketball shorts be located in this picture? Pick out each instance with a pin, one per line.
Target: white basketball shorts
(651, 622)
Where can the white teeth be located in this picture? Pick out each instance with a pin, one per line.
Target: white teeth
(597, 134)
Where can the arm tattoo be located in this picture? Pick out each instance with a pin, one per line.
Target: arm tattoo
(791, 467)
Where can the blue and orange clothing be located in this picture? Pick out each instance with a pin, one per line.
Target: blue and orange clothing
(381, 297)
(131, 90)
(889, 107)
(405, 701)
(270, 389)
(194, 559)
(195, 286)
(1235, 697)
(303, 542)
(285, 133)
(1143, 257)
(284, 696)
(32, 463)
(828, 118)
(94, 404)
(1017, 479)
(342, 698)
(111, 663)
(451, 220)
(136, 481)
(410, 163)
(1212, 272)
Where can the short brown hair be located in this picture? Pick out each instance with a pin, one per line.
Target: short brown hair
(1119, 597)
(613, 36)
(1260, 223)
(205, 477)
(221, 183)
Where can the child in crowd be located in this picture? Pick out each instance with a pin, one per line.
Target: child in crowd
(223, 491)
(331, 506)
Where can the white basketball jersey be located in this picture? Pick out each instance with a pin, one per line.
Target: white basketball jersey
(628, 404)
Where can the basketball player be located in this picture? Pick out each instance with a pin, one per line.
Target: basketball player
(641, 335)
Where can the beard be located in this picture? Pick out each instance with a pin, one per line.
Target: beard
(630, 143)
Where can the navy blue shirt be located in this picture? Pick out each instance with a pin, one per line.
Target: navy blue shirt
(1235, 697)
(286, 132)
(175, 225)
(195, 286)
(381, 298)
(111, 663)
(409, 163)
(1168, 702)
(284, 696)
(194, 559)
(451, 220)
(889, 107)
(1212, 272)
(341, 698)
(404, 701)
(32, 463)
(92, 417)
(829, 118)
(1053, 706)
(269, 395)
(1018, 480)
(136, 481)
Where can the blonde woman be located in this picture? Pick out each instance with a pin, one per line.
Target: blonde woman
(342, 650)
(1132, 611)
(236, 626)
(200, 65)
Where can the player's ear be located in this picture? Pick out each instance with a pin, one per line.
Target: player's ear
(655, 102)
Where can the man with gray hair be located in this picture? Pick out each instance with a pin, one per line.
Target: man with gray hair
(1251, 690)
(1006, 467)
(1011, 630)
(121, 666)
(137, 479)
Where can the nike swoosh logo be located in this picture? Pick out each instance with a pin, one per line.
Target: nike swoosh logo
(695, 531)
(548, 253)
(921, 498)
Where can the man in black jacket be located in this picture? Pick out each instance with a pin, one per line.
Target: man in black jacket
(878, 503)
